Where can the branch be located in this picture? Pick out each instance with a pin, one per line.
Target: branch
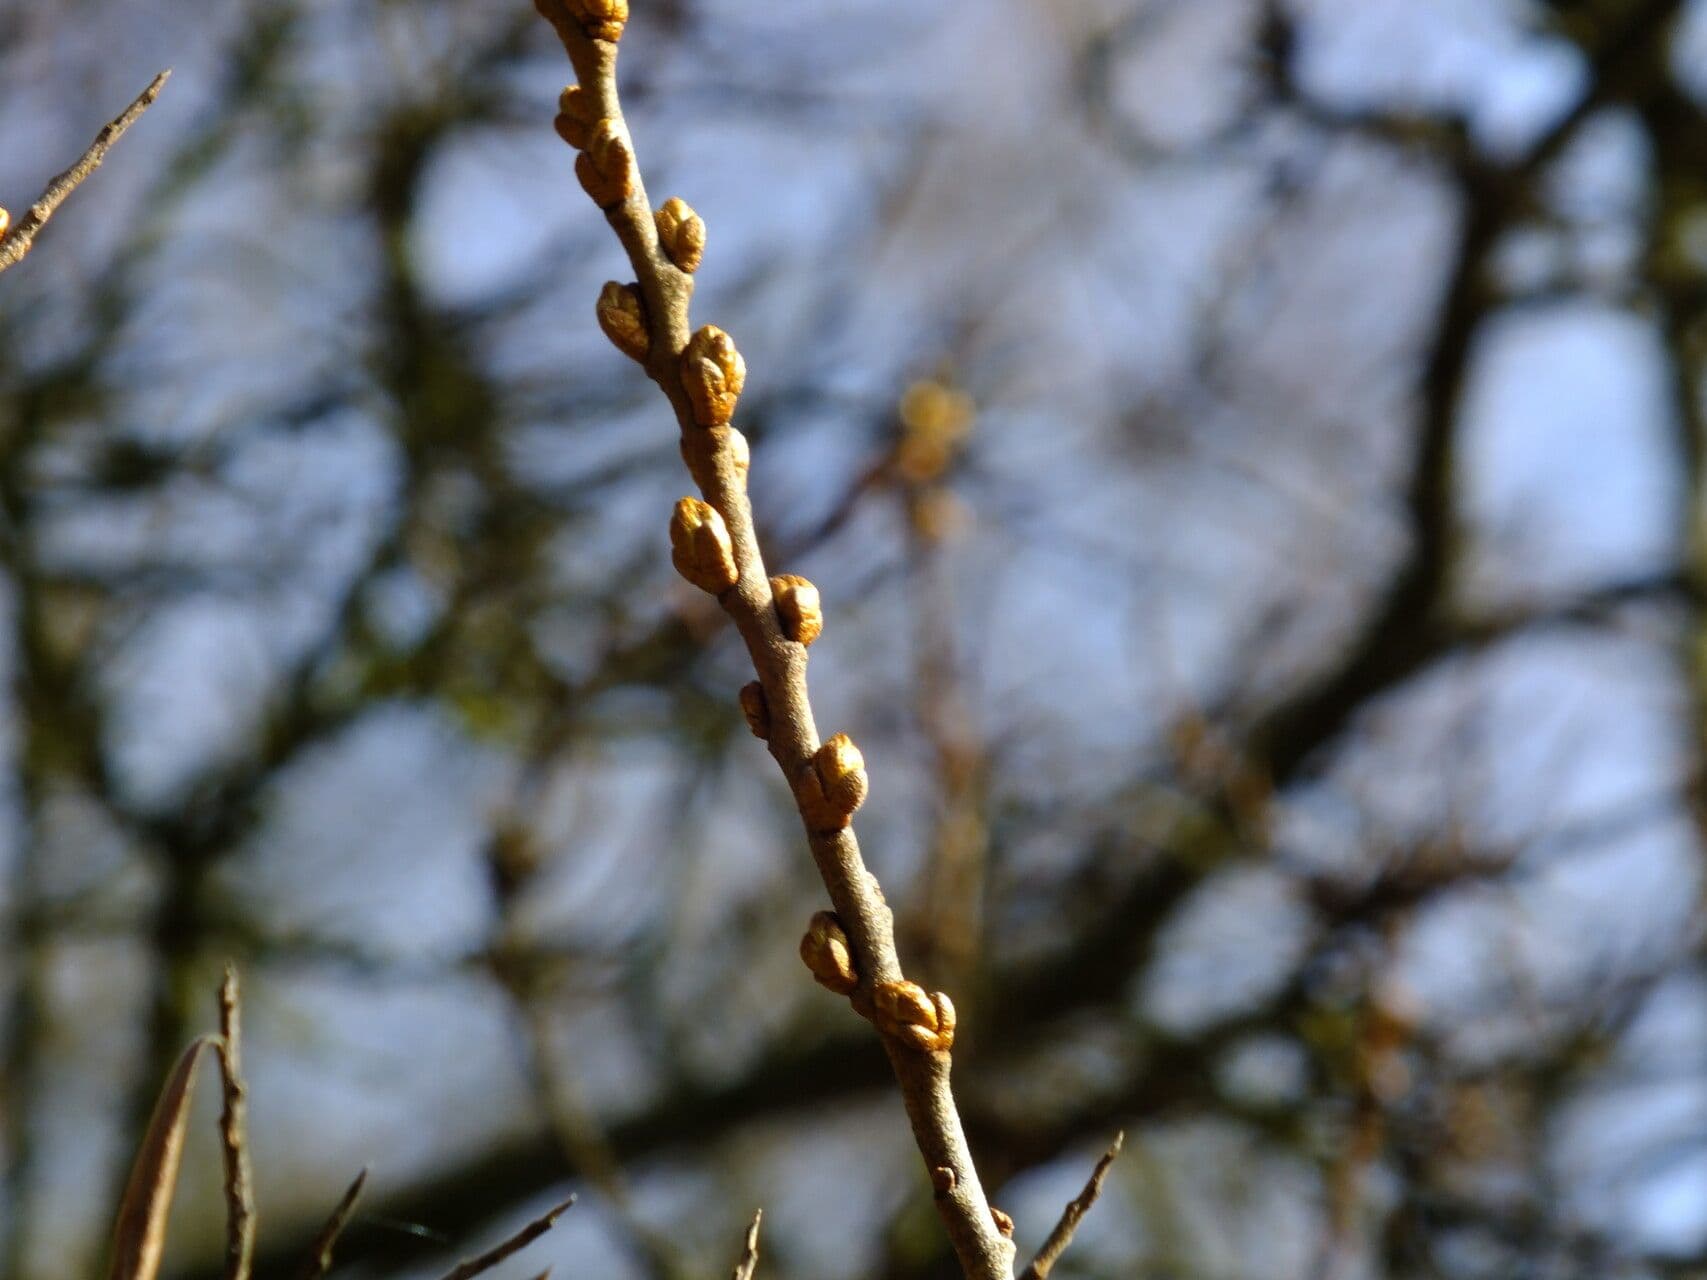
(515, 1244)
(1074, 1214)
(715, 547)
(17, 242)
(320, 1253)
(749, 1262)
(234, 1135)
(1406, 628)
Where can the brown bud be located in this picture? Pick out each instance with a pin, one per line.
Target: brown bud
(1004, 1224)
(713, 375)
(606, 166)
(574, 122)
(943, 1180)
(757, 710)
(825, 950)
(910, 1014)
(832, 785)
(799, 608)
(622, 316)
(700, 547)
(600, 19)
(681, 233)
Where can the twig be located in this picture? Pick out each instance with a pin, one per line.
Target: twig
(320, 1253)
(18, 241)
(1074, 1214)
(234, 1134)
(717, 549)
(515, 1244)
(750, 1255)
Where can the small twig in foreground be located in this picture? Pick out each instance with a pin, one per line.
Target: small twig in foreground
(515, 1244)
(320, 1253)
(15, 243)
(750, 1255)
(234, 1135)
(1074, 1214)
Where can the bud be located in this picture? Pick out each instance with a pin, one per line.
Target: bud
(713, 375)
(700, 547)
(600, 19)
(799, 608)
(606, 166)
(906, 1012)
(740, 452)
(935, 421)
(832, 785)
(1004, 1224)
(756, 708)
(5, 221)
(574, 122)
(825, 950)
(623, 318)
(681, 232)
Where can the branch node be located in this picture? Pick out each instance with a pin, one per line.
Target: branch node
(915, 1017)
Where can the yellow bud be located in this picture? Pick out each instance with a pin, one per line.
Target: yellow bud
(1004, 1224)
(756, 708)
(935, 421)
(799, 608)
(606, 166)
(907, 1012)
(832, 785)
(713, 375)
(5, 221)
(825, 950)
(681, 233)
(622, 316)
(574, 122)
(600, 19)
(700, 546)
(906, 1002)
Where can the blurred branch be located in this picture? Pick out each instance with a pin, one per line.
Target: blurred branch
(1404, 630)
(320, 1252)
(515, 1244)
(749, 1262)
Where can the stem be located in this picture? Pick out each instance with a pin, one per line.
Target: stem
(780, 663)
